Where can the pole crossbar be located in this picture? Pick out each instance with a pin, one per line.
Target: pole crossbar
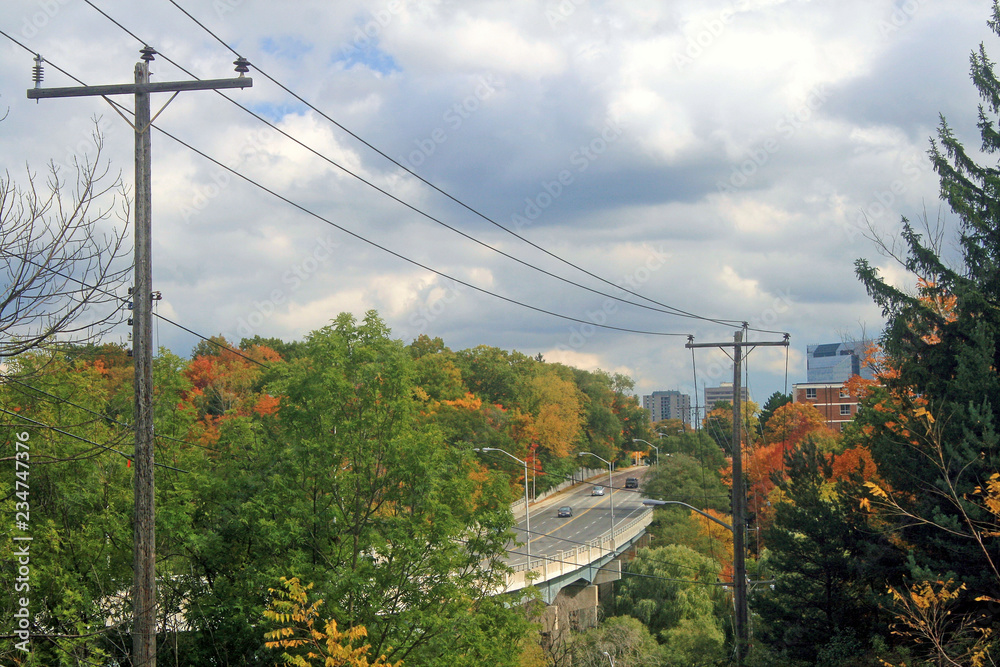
(144, 559)
(139, 88)
(739, 493)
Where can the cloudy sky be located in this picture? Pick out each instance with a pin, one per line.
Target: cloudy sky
(715, 158)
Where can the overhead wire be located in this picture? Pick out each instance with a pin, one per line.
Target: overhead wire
(56, 429)
(383, 248)
(671, 309)
(9, 378)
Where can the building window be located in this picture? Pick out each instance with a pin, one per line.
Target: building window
(845, 410)
(844, 393)
(811, 393)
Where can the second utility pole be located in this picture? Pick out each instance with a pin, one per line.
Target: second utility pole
(739, 493)
(144, 550)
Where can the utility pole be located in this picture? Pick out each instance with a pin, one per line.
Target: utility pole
(739, 493)
(144, 550)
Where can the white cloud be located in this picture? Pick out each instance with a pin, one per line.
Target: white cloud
(824, 110)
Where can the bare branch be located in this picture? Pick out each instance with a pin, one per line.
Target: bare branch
(61, 266)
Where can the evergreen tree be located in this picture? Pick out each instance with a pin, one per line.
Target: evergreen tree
(942, 352)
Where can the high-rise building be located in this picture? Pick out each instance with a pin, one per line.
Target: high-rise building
(724, 392)
(668, 405)
(836, 362)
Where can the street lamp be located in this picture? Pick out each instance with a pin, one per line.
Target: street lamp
(651, 502)
(611, 489)
(651, 445)
(527, 513)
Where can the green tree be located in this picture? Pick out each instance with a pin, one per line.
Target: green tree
(76, 501)
(497, 376)
(390, 523)
(621, 638)
(942, 352)
(773, 402)
(829, 570)
(675, 594)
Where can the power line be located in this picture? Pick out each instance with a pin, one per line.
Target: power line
(394, 253)
(672, 309)
(404, 257)
(80, 437)
(9, 378)
(156, 315)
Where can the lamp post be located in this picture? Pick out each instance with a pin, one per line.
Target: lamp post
(527, 512)
(651, 445)
(611, 489)
(651, 502)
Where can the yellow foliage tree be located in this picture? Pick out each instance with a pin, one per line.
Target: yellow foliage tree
(924, 617)
(559, 413)
(329, 647)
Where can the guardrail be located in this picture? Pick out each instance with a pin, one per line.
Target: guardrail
(550, 566)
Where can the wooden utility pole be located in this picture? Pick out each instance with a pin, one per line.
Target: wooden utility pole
(144, 550)
(739, 493)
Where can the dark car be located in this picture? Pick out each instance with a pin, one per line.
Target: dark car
(565, 510)
(632, 483)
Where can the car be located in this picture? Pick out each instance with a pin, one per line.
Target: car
(597, 491)
(632, 483)
(565, 510)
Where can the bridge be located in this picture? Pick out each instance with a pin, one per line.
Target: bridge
(574, 559)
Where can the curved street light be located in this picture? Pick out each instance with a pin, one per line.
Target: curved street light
(611, 489)
(527, 513)
(651, 502)
(651, 445)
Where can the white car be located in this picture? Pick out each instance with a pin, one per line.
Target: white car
(597, 491)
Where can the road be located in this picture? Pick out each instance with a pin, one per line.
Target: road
(591, 516)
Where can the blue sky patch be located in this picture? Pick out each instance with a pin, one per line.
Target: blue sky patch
(368, 54)
(275, 112)
(291, 48)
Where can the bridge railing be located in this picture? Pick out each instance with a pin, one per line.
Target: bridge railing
(550, 566)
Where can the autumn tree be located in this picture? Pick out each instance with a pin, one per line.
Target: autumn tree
(828, 568)
(556, 403)
(941, 347)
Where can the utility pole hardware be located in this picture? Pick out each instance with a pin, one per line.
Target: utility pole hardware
(144, 560)
(739, 493)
